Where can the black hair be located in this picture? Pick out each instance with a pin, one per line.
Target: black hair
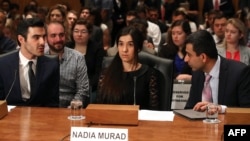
(203, 42)
(24, 25)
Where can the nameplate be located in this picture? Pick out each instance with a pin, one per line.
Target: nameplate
(112, 114)
(236, 132)
(98, 134)
(3, 108)
(237, 116)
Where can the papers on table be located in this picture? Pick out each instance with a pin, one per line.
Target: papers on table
(10, 107)
(156, 115)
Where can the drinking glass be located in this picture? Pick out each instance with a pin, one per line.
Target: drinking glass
(212, 114)
(76, 110)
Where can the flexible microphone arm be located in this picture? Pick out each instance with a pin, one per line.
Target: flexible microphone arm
(134, 90)
(11, 87)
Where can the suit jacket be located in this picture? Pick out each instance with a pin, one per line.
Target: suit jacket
(229, 84)
(244, 54)
(47, 81)
(226, 6)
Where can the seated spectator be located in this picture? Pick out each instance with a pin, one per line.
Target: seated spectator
(93, 55)
(234, 46)
(174, 49)
(7, 44)
(74, 82)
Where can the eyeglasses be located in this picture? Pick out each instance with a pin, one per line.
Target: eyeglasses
(80, 31)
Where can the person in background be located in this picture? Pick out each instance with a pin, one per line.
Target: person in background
(16, 87)
(96, 19)
(226, 6)
(96, 33)
(74, 83)
(235, 43)
(7, 44)
(93, 55)
(181, 14)
(153, 29)
(219, 27)
(71, 19)
(223, 76)
(174, 49)
(133, 19)
(126, 81)
(57, 13)
(209, 19)
(5, 5)
(153, 16)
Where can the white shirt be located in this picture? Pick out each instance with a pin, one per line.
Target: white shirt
(214, 82)
(23, 74)
(154, 32)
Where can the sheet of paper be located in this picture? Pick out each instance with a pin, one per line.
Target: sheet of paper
(156, 115)
(10, 107)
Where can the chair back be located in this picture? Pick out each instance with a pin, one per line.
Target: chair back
(165, 66)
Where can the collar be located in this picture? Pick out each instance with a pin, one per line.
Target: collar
(216, 69)
(24, 61)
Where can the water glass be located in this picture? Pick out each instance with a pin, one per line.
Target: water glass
(76, 110)
(212, 113)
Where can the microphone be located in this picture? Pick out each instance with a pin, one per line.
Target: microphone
(3, 103)
(11, 87)
(134, 90)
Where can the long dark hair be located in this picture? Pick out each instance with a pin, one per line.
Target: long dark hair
(171, 47)
(113, 85)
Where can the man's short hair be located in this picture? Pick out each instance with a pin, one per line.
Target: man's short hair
(25, 24)
(203, 42)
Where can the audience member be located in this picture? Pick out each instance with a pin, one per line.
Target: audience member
(174, 49)
(96, 33)
(219, 27)
(153, 16)
(93, 55)
(15, 84)
(57, 13)
(6, 44)
(226, 6)
(223, 76)
(181, 14)
(126, 81)
(153, 29)
(234, 42)
(96, 19)
(209, 19)
(5, 5)
(118, 17)
(71, 19)
(74, 83)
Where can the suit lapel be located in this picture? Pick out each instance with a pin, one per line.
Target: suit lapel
(39, 73)
(222, 79)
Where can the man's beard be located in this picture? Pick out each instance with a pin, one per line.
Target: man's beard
(54, 49)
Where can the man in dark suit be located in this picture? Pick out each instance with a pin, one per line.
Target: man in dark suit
(16, 87)
(226, 75)
(226, 6)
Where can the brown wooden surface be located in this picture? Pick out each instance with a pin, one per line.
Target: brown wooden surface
(114, 114)
(51, 124)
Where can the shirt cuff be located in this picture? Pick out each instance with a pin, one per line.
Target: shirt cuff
(223, 109)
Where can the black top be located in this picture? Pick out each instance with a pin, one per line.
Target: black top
(145, 81)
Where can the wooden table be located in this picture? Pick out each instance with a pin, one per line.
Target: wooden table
(51, 124)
